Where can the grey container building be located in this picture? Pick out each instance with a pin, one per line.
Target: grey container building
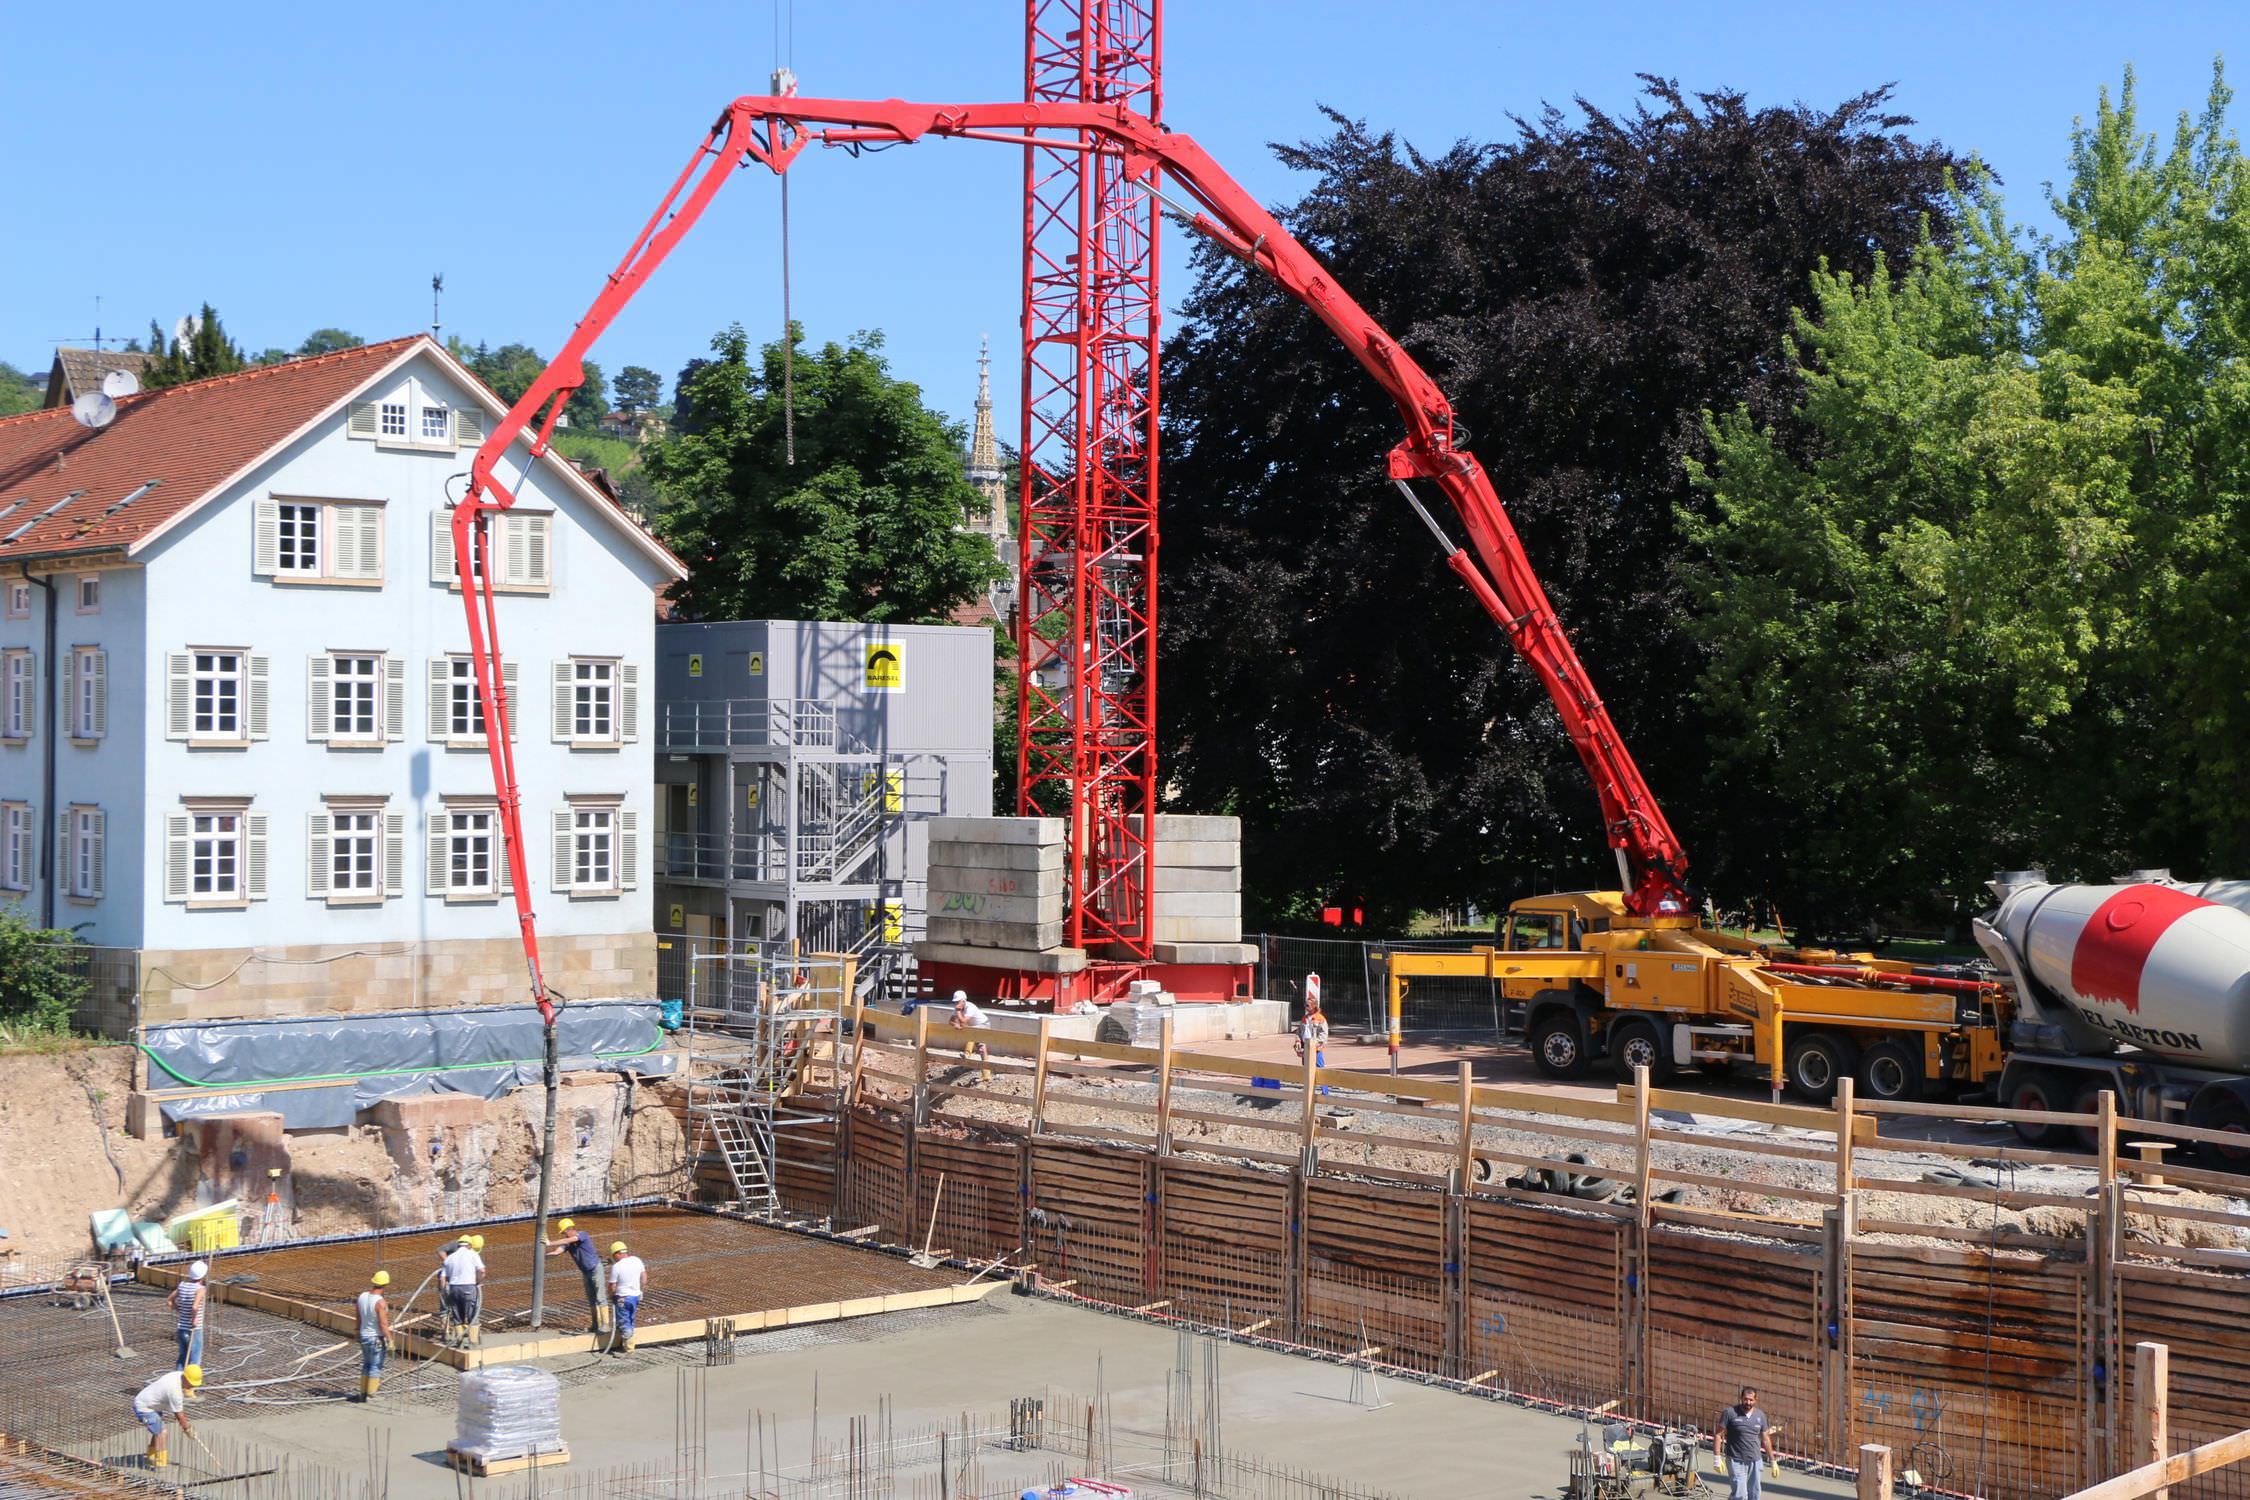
(798, 762)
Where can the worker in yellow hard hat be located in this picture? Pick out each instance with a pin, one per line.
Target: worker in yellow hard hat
(464, 1287)
(627, 1276)
(374, 1333)
(579, 1246)
(166, 1396)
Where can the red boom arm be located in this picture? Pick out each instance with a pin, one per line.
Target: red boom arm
(772, 130)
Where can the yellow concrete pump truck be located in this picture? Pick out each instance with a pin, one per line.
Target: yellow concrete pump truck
(1667, 993)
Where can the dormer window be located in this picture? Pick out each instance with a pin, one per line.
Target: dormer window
(394, 419)
(437, 425)
(410, 419)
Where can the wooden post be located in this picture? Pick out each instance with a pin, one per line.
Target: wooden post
(1039, 1080)
(2102, 1240)
(2152, 1401)
(1310, 1142)
(1838, 1228)
(1637, 1385)
(1164, 1087)
(1874, 1472)
(921, 1065)
(1467, 1168)
(859, 1045)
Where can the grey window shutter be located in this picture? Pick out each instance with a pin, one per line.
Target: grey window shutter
(100, 821)
(359, 420)
(320, 699)
(503, 874)
(538, 549)
(259, 670)
(394, 698)
(319, 855)
(361, 526)
(468, 426)
(441, 699)
(435, 874)
(442, 566)
(70, 694)
(628, 850)
(265, 545)
(99, 662)
(562, 701)
(515, 566)
(176, 857)
(66, 855)
(394, 854)
(179, 672)
(254, 858)
(509, 690)
(628, 701)
(564, 862)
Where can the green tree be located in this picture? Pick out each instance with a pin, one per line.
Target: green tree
(18, 391)
(1987, 617)
(639, 388)
(511, 368)
(328, 341)
(40, 981)
(205, 352)
(863, 526)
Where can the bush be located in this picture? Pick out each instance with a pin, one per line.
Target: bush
(42, 978)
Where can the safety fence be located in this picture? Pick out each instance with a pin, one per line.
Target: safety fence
(1351, 984)
(1981, 1353)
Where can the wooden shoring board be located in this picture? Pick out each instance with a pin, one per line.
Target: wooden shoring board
(1559, 1258)
(1763, 1297)
(1103, 1191)
(1375, 1260)
(1224, 1236)
(1400, 1231)
(978, 1211)
(2200, 1317)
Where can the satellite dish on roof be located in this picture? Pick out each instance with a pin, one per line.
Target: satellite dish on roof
(119, 384)
(93, 410)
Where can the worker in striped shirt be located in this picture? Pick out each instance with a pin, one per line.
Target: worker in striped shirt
(188, 1299)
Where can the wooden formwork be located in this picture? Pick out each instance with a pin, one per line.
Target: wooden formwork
(1990, 1361)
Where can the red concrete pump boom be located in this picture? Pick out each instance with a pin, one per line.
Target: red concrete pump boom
(773, 129)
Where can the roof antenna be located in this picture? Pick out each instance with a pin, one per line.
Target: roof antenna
(437, 288)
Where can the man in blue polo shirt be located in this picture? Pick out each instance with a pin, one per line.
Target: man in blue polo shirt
(579, 1246)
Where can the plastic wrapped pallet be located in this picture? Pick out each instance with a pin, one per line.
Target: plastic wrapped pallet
(508, 1411)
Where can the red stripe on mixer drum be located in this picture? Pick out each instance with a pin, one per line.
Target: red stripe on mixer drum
(2114, 945)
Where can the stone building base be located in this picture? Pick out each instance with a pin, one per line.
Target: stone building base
(336, 979)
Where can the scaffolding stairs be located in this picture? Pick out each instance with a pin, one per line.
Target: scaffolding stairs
(780, 1018)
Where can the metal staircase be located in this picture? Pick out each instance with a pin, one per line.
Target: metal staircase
(771, 1021)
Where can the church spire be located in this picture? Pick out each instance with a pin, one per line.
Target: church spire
(984, 459)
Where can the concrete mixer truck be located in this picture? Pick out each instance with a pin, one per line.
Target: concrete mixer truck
(2141, 988)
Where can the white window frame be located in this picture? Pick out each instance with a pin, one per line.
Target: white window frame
(384, 413)
(89, 604)
(596, 853)
(292, 519)
(523, 539)
(347, 544)
(443, 436)
(19, 600)
(16, 857)
(593, 848)
(183, 670)
(452, 685)
(470, 834)
(596, 702)
(355, 697)
(19, 695)
(218, 856)
(355, 853)
(218, 676)
(83, 854)
(88, 705)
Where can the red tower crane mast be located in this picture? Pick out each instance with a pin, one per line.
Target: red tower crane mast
(1101, 518)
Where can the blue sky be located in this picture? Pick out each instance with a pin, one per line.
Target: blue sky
(302, 166)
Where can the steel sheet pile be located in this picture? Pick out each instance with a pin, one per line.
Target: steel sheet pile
(507, 1412)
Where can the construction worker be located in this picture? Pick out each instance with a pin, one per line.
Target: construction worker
(967, 1015)
(1743, 1443)
(579, 1245)
(464, 1285)
(374, 1334)
(188, 1299)
(166, 1396)
(626, 1278)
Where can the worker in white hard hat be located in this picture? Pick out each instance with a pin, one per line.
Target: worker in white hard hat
(166, 1396)
(967, 1015)
(627, 1278)
(579, 1246)
(374, 1334)
(188, 1299)
(464, 1286)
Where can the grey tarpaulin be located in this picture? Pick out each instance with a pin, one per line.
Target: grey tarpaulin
(235, 1067)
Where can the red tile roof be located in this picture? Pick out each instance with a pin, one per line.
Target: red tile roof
(184, 439)
(97, 490)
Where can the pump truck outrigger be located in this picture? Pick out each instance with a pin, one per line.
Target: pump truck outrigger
(1649, 983)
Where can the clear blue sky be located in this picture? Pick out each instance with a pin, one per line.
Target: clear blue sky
(302, 166)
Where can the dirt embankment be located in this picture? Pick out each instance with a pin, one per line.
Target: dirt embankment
(64, 1155)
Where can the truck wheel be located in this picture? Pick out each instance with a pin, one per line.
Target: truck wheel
(2034, 1092)
(1891, 1071)
(1816, 1062)
(2088, 1102)
(2230, 1115)
(1635, 1044)
(1558, 1044)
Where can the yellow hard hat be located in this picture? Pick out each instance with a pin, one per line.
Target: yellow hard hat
(617, 1247)
(476, 1242)
(380, 1278)
(193, 1374)
(566, 1224)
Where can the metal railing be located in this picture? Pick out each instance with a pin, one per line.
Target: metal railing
(1352, 977)
(712, 856)
(753, 723)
